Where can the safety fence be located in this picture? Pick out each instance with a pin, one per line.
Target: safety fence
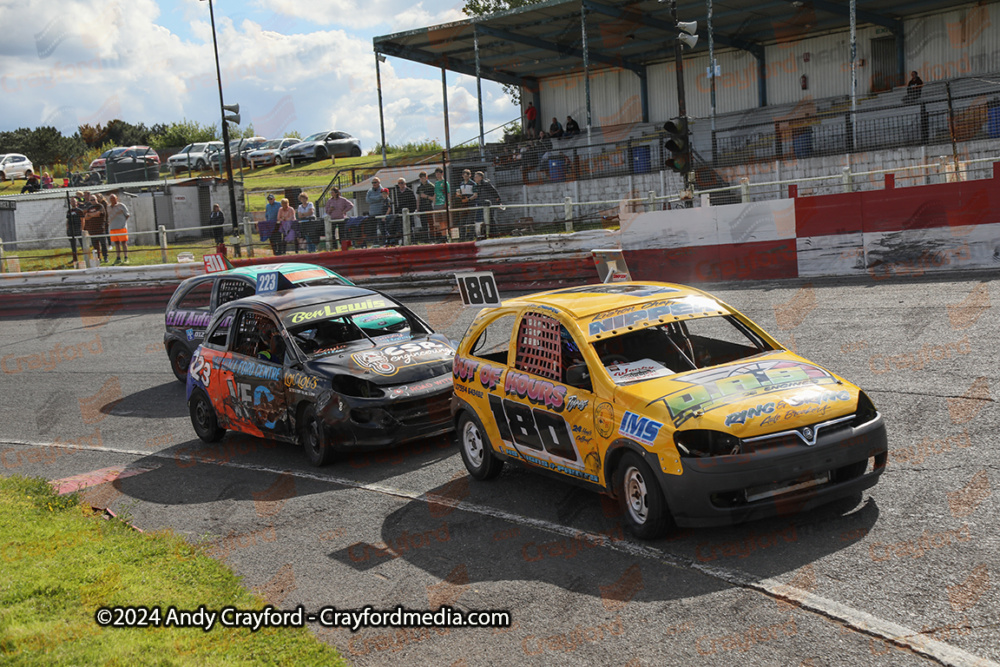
(454, 224)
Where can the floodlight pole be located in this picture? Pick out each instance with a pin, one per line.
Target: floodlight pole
(681, 103)
(225, 128)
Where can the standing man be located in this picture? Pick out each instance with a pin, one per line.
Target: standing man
(442, 190)
(337, 208)
(269, 225)
(486, 194)
(405, 198)
(466, 198)
(376, 208)
(74, 216)
(306, 215)
(531, 115)
(118, 216)
(217, 220)
(425, 203)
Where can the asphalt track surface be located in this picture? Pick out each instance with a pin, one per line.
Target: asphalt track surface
(907, 575)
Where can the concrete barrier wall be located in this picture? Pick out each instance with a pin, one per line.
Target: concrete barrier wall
(880, 233)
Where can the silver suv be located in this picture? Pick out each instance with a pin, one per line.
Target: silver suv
(194, 156)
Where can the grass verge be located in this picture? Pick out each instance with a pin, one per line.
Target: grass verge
(60, 563)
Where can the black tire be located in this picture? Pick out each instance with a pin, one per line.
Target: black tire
(321, 154)
(313, 438)
(3, 177)
(641, 498)
(203, 418)
(355, 152)
(477, 453)
(180, 359)
(200, 165)
(277, 160)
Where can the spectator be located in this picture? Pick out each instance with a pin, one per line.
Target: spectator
(74, 218)
(268, 227)
(556, 128)
(425, 203)
(375, 208)
(572, 127)
(914, 87)
(286, 227)
(442, 190)
(47, 181)
(338, 207)
(306, 215)
(486, 194)
(217, 220)
(531, 116)
(405, 198)
(391, 225)
(30, 183)
(95, 220)
(465, 200)
(118, 216)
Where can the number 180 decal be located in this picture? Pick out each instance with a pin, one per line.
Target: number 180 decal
(478, 289)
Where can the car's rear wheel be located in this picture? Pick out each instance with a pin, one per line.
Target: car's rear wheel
(203, 418)
(180, 359)
(312, 437)
(477, 454)
(355, 152)
(640, 497)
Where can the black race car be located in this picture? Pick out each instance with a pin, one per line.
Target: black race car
(333, 368)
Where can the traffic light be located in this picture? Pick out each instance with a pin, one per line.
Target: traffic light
(677, 145)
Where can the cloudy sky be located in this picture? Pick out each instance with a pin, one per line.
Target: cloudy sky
(291, 65)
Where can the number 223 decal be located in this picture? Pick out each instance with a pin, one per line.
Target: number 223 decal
(202, 368)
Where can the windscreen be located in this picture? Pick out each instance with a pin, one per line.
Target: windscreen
(329, 328)
(316, 137)
(677, 347)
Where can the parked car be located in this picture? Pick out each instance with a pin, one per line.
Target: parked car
(195, 299)
(134, 153)
(98, 163)
(665, 398)
(13, 166)
(322, 145)
(298, 366)
(238, 151)
(270, 152)
(194, 156)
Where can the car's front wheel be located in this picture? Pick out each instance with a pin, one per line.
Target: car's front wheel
(277, 160)
(3, 177)
(203, 418)
(321, 154)
(199, 165)
(180, 359)
(641, 498)
(477, 454)
(312, 437)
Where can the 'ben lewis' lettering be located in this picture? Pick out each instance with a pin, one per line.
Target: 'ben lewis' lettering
(328, 311)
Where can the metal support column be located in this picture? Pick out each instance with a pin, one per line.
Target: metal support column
(854, 75)
(381, 117)
(711, 69)
(447, 131)
(479, 90)
(586, 65)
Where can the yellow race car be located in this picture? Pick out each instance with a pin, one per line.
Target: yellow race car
(664, 397)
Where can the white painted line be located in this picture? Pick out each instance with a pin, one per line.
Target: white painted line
(855, 619)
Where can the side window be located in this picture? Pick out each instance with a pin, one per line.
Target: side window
(539, 349)
(572, 358)
(231, 289)
(220, 334)
(253, 332)
(494, 342)
(198, 297)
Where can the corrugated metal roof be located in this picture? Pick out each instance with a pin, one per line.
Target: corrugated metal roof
(521, 45)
